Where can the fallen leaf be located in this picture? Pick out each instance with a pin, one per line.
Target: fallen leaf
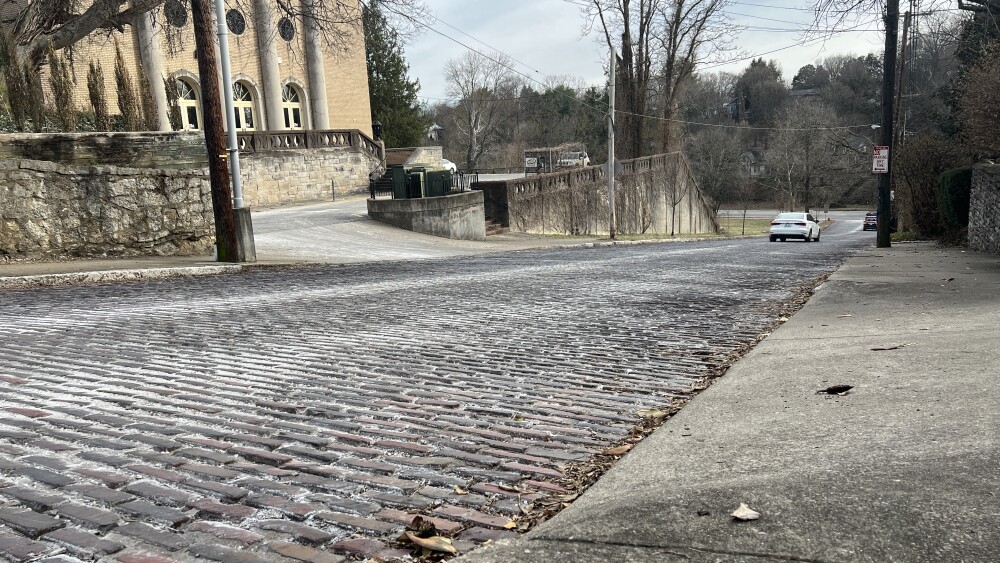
(744, 513)
(836, 390)
(783, 319)
(844, 316)
(620, 450)
(948, 279)
(884, 348)
(704, 513)
(436, 543)
(510, 524)
(651, 413)
(460, 490)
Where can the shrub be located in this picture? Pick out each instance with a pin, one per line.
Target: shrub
(953, 198)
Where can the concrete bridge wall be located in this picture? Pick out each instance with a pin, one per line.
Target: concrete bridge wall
(655, 195)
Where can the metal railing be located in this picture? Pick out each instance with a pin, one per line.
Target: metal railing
(461, 182)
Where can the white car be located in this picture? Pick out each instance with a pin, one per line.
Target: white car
(449, 165)
(573, 158)
(795, 225)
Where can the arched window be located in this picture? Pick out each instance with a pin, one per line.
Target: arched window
(187, 100)
(243, 107)
(291, 106)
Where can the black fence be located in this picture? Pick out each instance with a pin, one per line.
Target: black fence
(460, 182)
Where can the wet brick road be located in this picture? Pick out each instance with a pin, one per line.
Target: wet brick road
(307, 415)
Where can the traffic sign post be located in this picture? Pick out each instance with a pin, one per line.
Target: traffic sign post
(880, 160)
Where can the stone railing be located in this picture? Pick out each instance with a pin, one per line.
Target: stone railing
(261, 141)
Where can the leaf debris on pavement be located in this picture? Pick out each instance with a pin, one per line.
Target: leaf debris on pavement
(836, 390)
(745, 513)
(893, 347)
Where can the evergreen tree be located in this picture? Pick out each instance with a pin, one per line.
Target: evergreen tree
(62, 91)
(128, 99)
(98, 97)
(393, 95)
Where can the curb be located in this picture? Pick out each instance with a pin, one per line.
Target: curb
(114, 276)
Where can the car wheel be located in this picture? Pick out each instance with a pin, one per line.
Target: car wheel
(808, 236)
(817, 236)
(773, 238)
(782, 239)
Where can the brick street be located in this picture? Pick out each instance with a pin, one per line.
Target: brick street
(309, 414)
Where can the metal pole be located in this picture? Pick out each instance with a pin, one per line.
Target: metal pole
(227, 88)
(611, 147)
(884, 240)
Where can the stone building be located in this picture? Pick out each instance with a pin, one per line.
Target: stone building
(285, 74)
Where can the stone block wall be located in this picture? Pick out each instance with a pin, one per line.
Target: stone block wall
(50, 210)
(290, 176)
(656, 195)
(984, 209)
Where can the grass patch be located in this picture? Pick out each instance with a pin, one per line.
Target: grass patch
(904, 236)
(736, 225)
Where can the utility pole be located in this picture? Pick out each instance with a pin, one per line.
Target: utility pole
(883, 239)
(611, 147)
(242, 224)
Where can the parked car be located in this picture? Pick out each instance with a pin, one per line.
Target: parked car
(573, 158)
(871, 222)
(449, 165)
(795, 225)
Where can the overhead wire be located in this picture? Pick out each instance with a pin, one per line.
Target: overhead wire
(826, 35)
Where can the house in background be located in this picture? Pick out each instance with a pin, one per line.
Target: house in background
(435, 133)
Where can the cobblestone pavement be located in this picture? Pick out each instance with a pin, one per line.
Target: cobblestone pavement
(307, 415)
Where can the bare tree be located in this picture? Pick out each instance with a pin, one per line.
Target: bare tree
(633, 22)
(486, 88)
(692, 31)
(716, 158)
(978, 106)
(661, 43)
(802, 152)
(35, 24)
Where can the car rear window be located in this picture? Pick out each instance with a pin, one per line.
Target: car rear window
(790, 217)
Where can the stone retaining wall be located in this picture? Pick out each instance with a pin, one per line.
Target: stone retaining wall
(289, 176)
(51, 210)
(984, 209)
(141, 194)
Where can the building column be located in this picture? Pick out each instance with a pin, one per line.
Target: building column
(267, 33)
(151, 56)
(318, 105)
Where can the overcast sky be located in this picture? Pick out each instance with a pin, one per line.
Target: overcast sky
(546, 39)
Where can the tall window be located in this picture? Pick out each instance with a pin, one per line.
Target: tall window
(291, 105)
(243, 107)
(187, 99)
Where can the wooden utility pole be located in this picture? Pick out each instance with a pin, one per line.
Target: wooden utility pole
(883, 239)
(215, 139)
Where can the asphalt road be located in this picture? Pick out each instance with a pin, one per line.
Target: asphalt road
(285, 410)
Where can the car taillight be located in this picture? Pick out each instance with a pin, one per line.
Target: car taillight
(775, 223)
(801, 224)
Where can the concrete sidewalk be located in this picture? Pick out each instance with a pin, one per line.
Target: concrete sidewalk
(904, 467)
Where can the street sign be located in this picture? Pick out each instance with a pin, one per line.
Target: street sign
(880, 160)
(531, 162)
